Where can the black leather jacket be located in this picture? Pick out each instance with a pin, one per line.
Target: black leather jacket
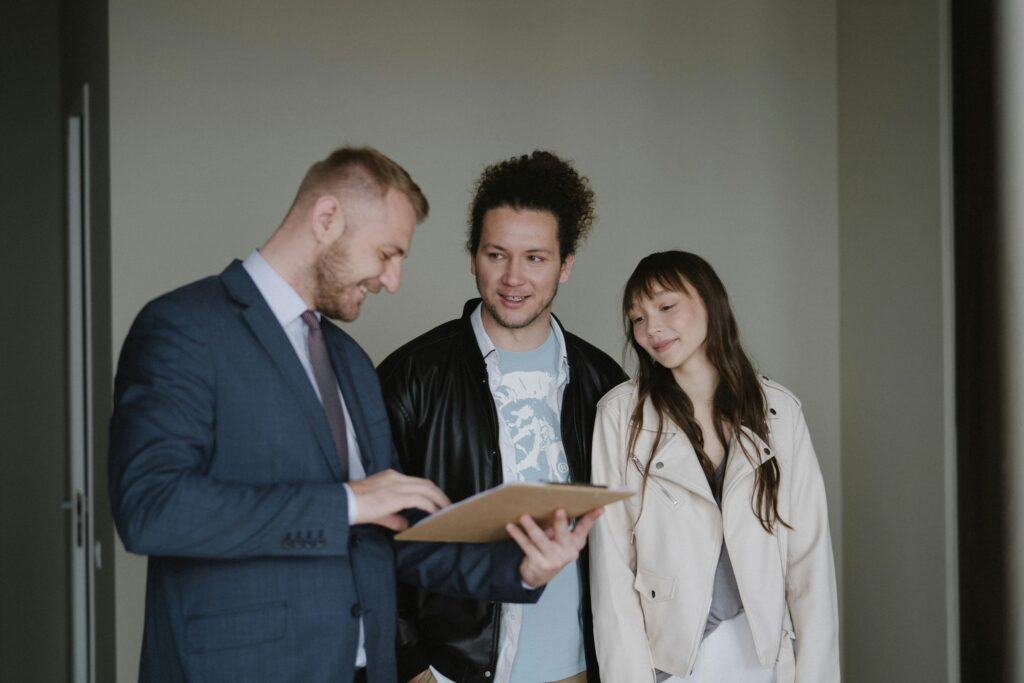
(445, 428)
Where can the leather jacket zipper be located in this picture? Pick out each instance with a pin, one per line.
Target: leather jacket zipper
(658, 484)
(576, 473)
(495, 629)
(500, 476)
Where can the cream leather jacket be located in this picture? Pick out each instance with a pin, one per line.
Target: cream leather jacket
(653, 557)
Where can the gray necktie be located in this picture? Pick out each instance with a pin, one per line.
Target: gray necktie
(327, 383)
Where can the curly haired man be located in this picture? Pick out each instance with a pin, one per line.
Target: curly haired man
(504, 394)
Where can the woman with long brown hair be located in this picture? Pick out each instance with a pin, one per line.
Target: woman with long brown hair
(720, 568)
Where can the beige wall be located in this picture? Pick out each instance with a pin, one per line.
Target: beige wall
(899, 514)
(709, 126)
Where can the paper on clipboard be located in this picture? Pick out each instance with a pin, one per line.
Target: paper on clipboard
(482, 518)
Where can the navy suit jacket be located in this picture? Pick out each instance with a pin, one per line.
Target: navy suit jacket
(223, 471)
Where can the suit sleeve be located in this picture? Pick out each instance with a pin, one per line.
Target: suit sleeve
(480, 571)
(810, 578)
(623, 650)
(161, 440)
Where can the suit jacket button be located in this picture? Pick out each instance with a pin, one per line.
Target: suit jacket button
(357, 610)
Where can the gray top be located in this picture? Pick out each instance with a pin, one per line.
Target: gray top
(725, 599)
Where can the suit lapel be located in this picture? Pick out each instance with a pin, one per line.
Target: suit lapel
(272, 337)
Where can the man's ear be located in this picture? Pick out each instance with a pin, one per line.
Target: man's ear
(328, 219)
(566, 269)
(472, 264)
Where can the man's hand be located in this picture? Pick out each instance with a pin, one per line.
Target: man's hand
(548, 552)
(379, 498)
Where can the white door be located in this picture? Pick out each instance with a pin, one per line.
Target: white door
(84, 553)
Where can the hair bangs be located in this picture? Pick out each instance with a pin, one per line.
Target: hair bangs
(651, 276)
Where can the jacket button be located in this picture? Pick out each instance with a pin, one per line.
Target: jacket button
(767, 451)
(487, 674)
(357, 610)
(772, 411)
(652, 594)
(659, 465)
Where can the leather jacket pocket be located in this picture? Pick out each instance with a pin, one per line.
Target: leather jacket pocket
(654, 588)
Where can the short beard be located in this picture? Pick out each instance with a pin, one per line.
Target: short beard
(331, 272)
(496, 316)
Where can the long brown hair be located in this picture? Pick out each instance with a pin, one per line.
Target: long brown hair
(738, 400)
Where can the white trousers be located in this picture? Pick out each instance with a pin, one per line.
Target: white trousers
(728, 656)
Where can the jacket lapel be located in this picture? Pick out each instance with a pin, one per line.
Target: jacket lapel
(272, 337)
(677, 464)
(680, 465)
(739, 465)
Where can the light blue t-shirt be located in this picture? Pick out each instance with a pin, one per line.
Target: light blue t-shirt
(551, 638)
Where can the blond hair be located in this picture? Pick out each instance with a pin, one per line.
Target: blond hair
(361, 169)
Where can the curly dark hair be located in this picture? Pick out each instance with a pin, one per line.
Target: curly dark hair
(540, 181)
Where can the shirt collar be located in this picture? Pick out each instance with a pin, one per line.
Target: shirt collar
(285, 303)
(482, 339)
(487, 346)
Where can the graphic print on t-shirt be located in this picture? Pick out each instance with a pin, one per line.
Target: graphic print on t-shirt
(550, 643)
(526, 399)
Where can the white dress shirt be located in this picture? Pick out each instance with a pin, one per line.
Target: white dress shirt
(288, 307)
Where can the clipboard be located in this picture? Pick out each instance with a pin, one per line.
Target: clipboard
(482, 518)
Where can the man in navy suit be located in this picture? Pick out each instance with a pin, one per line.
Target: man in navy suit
(251, 457)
